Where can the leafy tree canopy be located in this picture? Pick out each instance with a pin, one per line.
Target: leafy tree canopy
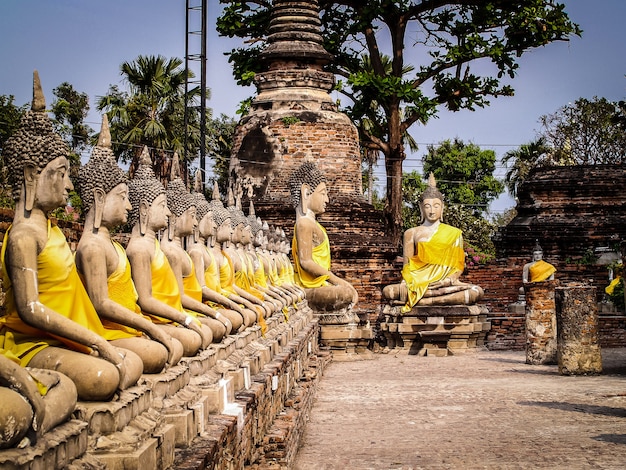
(70, 109)
(464, 173)
(585, 132)
(152, 112)
(220, 142)
(452, 37)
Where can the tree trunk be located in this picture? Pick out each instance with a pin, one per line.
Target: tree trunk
(393, 201)
(370, 180)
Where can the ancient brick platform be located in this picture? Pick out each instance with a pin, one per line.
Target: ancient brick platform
(239, 402)
(435, 330)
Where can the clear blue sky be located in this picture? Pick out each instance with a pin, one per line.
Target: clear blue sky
(84, 43)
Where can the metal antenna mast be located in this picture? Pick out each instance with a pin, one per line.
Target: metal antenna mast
(193, 8)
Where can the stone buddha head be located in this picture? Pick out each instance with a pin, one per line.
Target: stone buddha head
(38, 159)
(221, 216)
(431, 202)
(103, 185)
(180, 203)
(537, 252)
(308, 189)
(147, 197)
(256, 227)
(204, 216)
(238, 220)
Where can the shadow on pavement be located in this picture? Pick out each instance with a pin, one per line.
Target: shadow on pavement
(578, 407)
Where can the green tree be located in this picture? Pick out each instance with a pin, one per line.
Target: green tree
(70, 109)
(586, 132)
(464, 173)
(452, 36)
(220, 143)
(151, 113)
(520, 161)
(412, 188)
(10, 115)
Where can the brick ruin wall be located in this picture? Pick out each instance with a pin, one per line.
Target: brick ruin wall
(370, 266)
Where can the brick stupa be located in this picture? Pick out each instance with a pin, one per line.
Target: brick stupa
(294, 119)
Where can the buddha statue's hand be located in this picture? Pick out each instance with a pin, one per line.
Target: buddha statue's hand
(114, 356)
(168, 342)
(225, 321)
(29, 390)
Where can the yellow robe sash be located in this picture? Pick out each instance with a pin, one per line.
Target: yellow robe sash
(61, 290)
(320, 254)
(122, 289)
(191, 285)
(435, 260)
(164, 284)
(540, 271)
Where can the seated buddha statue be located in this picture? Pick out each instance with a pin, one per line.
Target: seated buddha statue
(286, 270)
(256, 269)
(50, 321)
(260, 261)
(253, 308)
(243, 271)
(158, 292)
(181, 224)
(204, 262)
(434, 259)
(310, 247)
(32, 401)
(537, 270)
(102, 262)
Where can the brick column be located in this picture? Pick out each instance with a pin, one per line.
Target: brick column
(578, 349)
(541, 325)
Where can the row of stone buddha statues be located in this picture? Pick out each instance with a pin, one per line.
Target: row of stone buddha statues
(83, 326)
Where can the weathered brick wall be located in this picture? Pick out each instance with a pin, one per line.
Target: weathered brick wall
(569, 210)
(266, 151)
(501, 280)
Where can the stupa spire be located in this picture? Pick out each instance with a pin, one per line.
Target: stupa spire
(294, 34)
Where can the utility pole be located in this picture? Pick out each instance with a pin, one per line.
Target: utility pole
(195, 53)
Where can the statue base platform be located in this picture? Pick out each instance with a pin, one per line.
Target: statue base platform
(343, 333)
(435, 330)
(218, 409)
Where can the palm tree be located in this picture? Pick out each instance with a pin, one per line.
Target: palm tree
(525, 158)
(151, 113)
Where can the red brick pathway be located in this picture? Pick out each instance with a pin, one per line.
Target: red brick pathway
(483, 410)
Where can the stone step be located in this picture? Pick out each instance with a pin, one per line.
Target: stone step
(58, 448)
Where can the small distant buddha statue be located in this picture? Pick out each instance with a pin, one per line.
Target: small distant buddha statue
(243, 272)
(182, 223)
(538, 270)
(103, 264)
(434, 259)
(50, 322)
(157, 288)
(257, 268)
(263, 262)
(32, 401)
(310, 246)
(204, 262)
(252, 307)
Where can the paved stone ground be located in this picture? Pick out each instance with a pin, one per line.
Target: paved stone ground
(482, 410)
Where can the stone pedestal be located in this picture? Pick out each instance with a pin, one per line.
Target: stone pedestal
(437, 330)
(343, 333)
(578, 349)
(540, 322)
